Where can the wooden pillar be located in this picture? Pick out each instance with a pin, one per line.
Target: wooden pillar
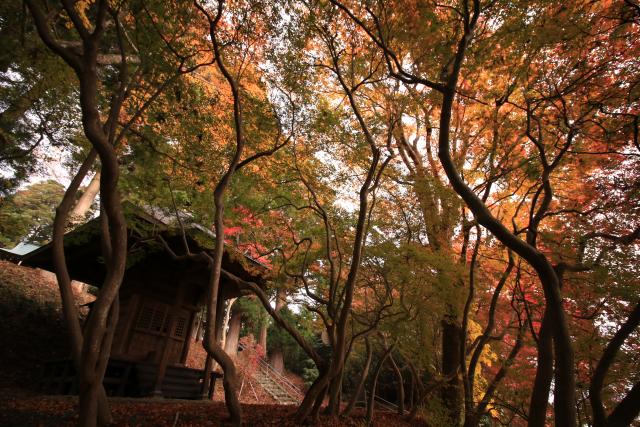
(188, 338)
(206, 380)
(132, 316)
(197, 334)
(164, 359)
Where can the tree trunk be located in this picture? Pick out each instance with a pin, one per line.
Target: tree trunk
(230, 379)
(262, 340)
(206, 381)
(565, 370)
(315, 412)
(233, 335)
(69, 306)
(374, 385)
(92, 397)
(314, 395)
(628, 409)
(544, 375)
(222, 333)
(80, 210)
(396, 369)
(452, 392)
(276, 356)
(335, 392)
(363, 378)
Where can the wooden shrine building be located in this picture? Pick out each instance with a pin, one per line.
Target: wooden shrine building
(160, 299)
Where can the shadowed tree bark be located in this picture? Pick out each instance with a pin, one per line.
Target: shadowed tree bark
(233, 334)
(101, 127)
(363, 377)
(374, 383)
(276, 357)
(629, 407)
(98, 332)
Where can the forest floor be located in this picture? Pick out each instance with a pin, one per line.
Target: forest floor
(55, 411)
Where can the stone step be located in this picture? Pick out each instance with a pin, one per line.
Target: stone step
(271, 385)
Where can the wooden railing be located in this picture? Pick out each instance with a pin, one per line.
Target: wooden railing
(277, 377)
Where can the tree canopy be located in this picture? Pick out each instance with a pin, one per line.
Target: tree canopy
(448, 191)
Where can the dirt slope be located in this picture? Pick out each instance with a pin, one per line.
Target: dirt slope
(32, 329)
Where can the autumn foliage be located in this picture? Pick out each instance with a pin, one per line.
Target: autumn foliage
(448, 192)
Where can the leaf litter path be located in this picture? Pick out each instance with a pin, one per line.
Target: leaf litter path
(50, 411)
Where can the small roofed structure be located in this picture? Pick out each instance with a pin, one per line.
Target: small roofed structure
(160, 299)
(18, 252)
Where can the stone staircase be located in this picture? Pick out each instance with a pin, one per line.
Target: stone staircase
(279, 393)
(275, 384)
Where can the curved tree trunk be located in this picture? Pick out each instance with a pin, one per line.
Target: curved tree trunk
(629, 408)
(315, 412)
(374, 384)
(97, 337)
(398, 372)
(69, 306)
(314, 396)
(230, 379)
(565, 377)
(363, 377)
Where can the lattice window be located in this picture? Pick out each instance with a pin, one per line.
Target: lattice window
(180, 327)
(152, 317)
(144, 320)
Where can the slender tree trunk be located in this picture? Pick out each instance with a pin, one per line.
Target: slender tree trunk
(398, 372)
(214, 350)
(452, 392)
(206, 381)
(565, 377)
(374, 384)
(369, 184)
(79, 211)
(629, 408)
(412, 392)
(92, 394)
(544, 374)
(230, 380)
(363, 378)
(420, 393)
(69, 306)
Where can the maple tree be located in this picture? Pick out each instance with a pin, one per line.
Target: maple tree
(449, 189)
